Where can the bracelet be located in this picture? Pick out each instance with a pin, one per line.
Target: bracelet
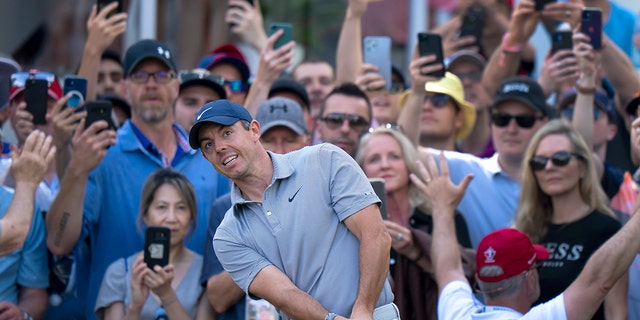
(585, 90)
(166, 304)
(513, 48)
(420, 255)
(330, 316)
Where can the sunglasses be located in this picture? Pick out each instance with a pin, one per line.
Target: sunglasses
(197, 74)
(559, 159)
(568, 113)
(19, 79)
(334, 120)
(524, 120)
(115, 76)
(397, 87)
(438, 100)
(236, 86)
(161, 77)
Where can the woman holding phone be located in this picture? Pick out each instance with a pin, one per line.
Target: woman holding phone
(388, 154)
(132, 290)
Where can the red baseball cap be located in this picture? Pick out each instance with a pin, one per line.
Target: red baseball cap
(510, 250)
(18, 83)
(226, 53)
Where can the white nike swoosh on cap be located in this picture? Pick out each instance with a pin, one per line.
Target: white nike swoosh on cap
(203, 112)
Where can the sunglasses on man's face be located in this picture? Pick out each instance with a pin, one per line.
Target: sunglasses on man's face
(525, 121)
(559, 159)
(19, 79)
(335, 120)
(236, 86)
(437, 100)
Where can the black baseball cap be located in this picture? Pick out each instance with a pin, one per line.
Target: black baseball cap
(202, 77)
(525, 90)
(145, 49)
(222, 112)
(286, 84)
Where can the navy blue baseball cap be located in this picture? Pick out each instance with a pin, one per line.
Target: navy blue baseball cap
(222, 112)
(145, 49)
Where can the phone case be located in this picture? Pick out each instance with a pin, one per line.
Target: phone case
(592, 26)
(285, 37)
(473, 23)
(431, 43)
(104, 3)
(77, 86)
(561, 40)
(377, 51)
(98, 110)
(156, 246)
(541, 3)
(378, 187)
(35, 95)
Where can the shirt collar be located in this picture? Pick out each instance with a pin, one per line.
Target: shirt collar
(282, 169)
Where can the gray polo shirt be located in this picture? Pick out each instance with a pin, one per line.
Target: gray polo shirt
(298, 227)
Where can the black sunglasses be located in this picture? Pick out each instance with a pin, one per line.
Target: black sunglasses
(438, 100)
(334, 120)
(559, 159)
(524, 120)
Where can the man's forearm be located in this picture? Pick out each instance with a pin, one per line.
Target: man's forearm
(89, 69)
(34, 301)
(620, 70)
(258, 93)
(64, 219)
(374, 266)
(444, 248)
(15, 225)
(409, 118)
(501, 66)
(349, 51)
(223, 292)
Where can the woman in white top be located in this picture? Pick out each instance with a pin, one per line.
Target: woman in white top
(130, 289)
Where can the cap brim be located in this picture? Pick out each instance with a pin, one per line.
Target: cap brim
(282, 123)
(202, 82)
(521, 99)
(159, 57)
(541, 252)
(194, 134)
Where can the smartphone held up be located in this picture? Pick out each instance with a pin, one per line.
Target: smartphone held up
(431, 44)
(591, 25)
(157, 241)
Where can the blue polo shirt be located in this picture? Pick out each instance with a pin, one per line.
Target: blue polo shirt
(298, 227)
(113, 193)
(492, 196)
(26, 266)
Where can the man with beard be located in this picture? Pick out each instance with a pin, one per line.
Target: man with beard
(101, 206)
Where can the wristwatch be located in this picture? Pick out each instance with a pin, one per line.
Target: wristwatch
(26, 315)
(330, 316)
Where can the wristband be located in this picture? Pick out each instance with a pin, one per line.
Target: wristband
(513, 48)
(330, 316)
(585, 90)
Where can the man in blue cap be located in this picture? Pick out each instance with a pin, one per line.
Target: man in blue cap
(101, 206)
(305, 232)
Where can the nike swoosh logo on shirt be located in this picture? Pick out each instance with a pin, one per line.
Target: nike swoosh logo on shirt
(294, 195)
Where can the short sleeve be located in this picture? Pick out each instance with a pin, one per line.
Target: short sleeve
(456, 301)
(113, 287)
(34, 270)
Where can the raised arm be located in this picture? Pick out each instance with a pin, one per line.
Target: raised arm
(28, 167)
(101, 33)
(64, 219)
(246, 21)
(349, 51)
(444, 197)
(588, 61)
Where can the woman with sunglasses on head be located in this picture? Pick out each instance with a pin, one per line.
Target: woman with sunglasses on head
(132, 290)
(388, 154)
(563, 207)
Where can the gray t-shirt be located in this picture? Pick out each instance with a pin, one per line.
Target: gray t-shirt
(299, 228)
(116, 287)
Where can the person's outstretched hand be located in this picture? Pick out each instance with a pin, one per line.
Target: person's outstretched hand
(246, 21)
(102, 30)
(30, 163)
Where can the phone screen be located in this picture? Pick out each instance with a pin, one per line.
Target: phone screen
(36, 97)
(431, 43)
(156, 246)
(592, 26)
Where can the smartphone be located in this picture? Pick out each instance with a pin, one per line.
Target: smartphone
(377, 51)
(156, 246)
(592, 26)
(103, 3)
(378, 187)
(285, 37)
(36, 97)
(561, 40)
(473, 23)
(428, 44)
(77, 86)
(98, 110)
(541, 3)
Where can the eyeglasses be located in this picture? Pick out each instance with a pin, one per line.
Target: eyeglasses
(438, 100)
(525, 121)
(397, 87)
(236, 86)
(161, 77)
(559, 159)
(19, 79)
(115, 76)
(334, 120)
(473, 76)
(189, 75)
(568, 113)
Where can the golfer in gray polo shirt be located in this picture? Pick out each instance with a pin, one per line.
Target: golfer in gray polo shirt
(305, 231)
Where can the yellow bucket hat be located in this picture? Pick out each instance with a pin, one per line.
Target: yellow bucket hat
(451, 86)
